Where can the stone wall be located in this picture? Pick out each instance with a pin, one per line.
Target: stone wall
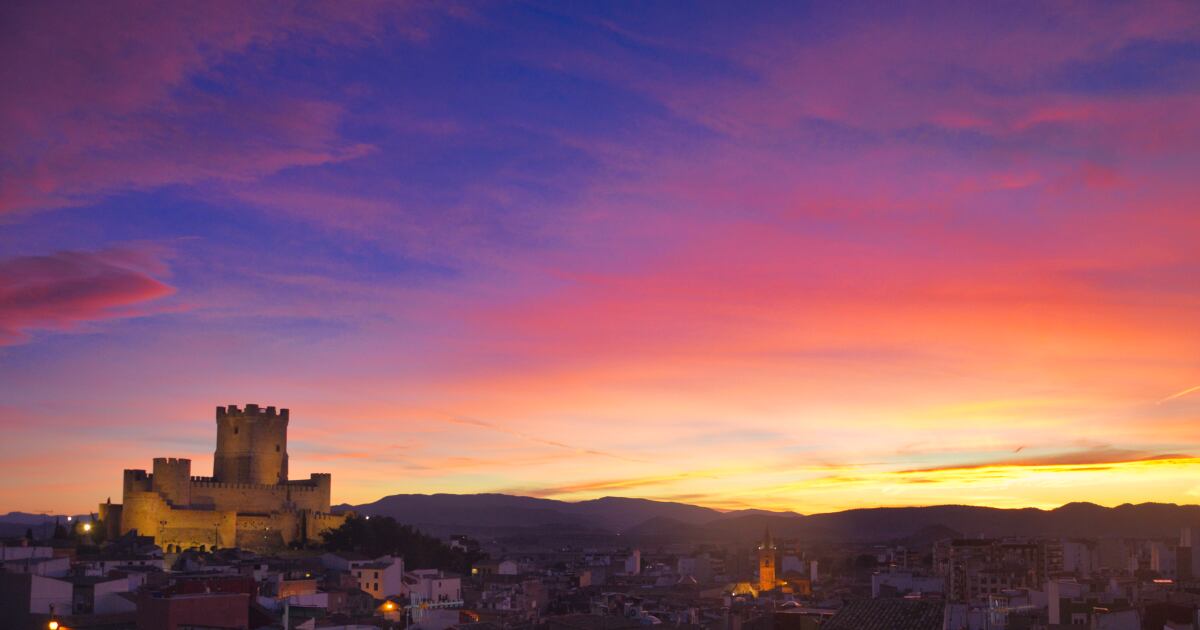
(251, 445)
(317, 522)
(172, 478)
(248, 502)
(312, 494)
(151, 515)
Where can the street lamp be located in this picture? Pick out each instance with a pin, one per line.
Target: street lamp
(87, 527)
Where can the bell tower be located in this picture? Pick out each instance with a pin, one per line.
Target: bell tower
(251, 445)
(766, 562)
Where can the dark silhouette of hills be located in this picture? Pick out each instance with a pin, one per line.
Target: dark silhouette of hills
(16, 524)
(611, 514)
(647, 519)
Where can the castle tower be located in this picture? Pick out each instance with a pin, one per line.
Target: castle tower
(173, 479)
(251, 445)
(766, 562)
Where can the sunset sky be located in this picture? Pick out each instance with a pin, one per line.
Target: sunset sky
(778, 255)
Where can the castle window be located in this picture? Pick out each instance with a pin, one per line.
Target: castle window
(276, 448)
(235, 430)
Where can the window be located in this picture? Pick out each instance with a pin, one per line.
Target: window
(377, 586)
(276, 448)
(235, 430)
(376, 575)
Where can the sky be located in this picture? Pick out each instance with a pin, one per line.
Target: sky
(794, 256)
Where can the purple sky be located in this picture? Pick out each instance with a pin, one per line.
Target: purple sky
(785, 255)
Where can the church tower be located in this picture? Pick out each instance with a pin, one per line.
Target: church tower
(251, 445)
(766, 562)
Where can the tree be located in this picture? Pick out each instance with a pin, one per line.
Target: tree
(382, 535)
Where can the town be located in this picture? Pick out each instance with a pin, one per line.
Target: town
(249, 548)
(599, 314)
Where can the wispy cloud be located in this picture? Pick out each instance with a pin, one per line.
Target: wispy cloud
(1180, 394)
(65, 290)
(492, 426)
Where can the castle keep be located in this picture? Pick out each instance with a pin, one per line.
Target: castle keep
(248, 501)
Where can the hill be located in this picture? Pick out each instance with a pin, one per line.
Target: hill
(659, 520)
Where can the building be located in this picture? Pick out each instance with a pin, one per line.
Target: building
(248, 501)
(28, 599)
(888, 614)
(766, 563)
(156, 611)
(381, 577)
(902, 583)
(425, 586)
(698, 567)
(976, 568)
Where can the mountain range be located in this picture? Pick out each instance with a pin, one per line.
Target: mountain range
(661, 520)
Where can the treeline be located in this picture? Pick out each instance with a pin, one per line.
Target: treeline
(380, 535)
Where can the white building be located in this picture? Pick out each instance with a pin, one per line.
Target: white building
(425, 586)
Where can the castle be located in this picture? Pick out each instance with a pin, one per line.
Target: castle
(248, 502)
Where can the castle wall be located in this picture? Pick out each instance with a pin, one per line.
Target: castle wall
(317, 522)
(151, 515)
(313, 494)
(135, 480)
(239, 497)
(110, 515)
(259, 509)
(251, 445)
(173, 480)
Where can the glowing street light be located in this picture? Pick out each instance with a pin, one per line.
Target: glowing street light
(53, 625)
(87, 527)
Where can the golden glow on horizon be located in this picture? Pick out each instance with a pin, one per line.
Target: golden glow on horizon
(733, 291)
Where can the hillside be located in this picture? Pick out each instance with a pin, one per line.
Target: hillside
(647, 519)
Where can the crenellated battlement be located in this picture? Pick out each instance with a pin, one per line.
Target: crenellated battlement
(251, 445)
(234, 486)
(248, 501)
(251, 411)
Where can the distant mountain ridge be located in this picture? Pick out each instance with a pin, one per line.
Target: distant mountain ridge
(648, 519)
(611, 514)
(645, 519)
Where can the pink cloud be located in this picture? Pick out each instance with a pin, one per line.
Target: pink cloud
(105, 102)
(66, 290)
